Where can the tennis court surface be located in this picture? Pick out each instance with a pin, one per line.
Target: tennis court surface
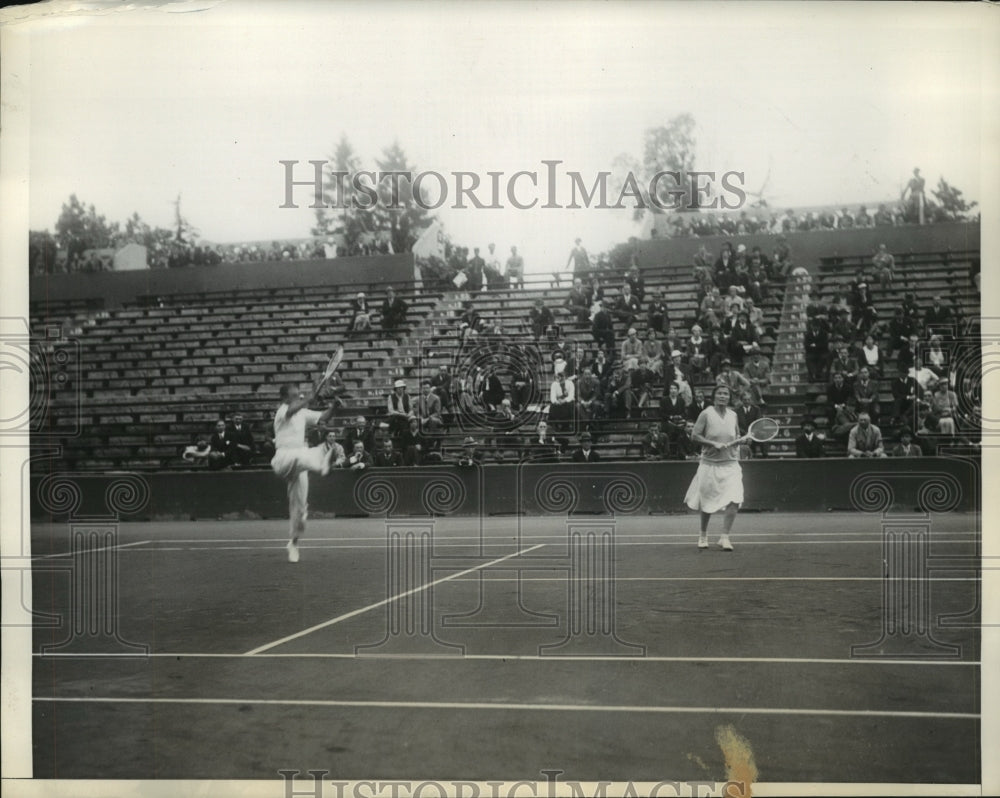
(841, 650)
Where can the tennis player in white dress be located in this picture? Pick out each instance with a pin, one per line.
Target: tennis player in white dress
(718, 483)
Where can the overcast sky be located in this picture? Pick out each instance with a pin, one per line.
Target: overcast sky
(840, 103)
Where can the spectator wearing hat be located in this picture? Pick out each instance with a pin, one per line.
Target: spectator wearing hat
(944, 406)
(469, 455)
(906, 447)
(757, 370)
(578, 261)
(658, 312)
(808, 443)
(398, 409)
(865, 439)
(586, 452)
(627, 307)
(541, 320)
(394, 311)
(492, 270)
(733, 302)
(602, 328)
(361, 318)
(652, 353)
(590, 399)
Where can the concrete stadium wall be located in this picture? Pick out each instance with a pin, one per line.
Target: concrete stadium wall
(937, 484)
(118, 288)
(808, 247)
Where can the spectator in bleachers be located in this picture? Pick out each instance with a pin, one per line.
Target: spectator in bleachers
(733, 380)
(541, 447)
(906, 447)
(469, 325)
(652, 353)
(602, 368)
(398, 409)
(412, 443)
(586, 452)
(361, 314)
(515, 269)
(541, 320)
(944, 406)
(865, 439)
(844, 420)
(905, 394)
(442, 385)
(717, 347)
(859, 295)
(578, 303)
(697, 355)
(713, 309)
(355, 430)
(358, 459)
(673, 415)
(337, 458)
(698, 403)
(757, 285)
(746, 414)
(393, 311)
(883, 217)
(841, 329)
(636, 283)
(469, 455)
(866, 394)
(899, 331)
(242, 445)
(817, 349)
(974, 272)
(845, 363)
(756, 318)
(595, 292)
(220, 447)
(590, 397)
(871, 357)
(620, 396)
(757, 370)
(782, 259)
(627, 308)
(658, 312)
(935, 358)
(864, 219)
(723, 268)
(491, 390)
(655, 444)
(837, 393)
(387, 456)
(632, 349)
(741, 339)
(938, 319)
(885, 266)
(429, 409)
(602, 328)
(733, 302)
(808, 443)
(845, 220)
(562, 399)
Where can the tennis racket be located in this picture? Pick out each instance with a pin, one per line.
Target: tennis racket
(332, 365)
(762, 430)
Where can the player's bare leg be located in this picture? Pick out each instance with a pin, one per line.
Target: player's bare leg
(727, 524)
(703, 537)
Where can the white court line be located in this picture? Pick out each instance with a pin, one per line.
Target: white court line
(389, 600)
(616, 578)
(485, 705)
(91, 551)
(527, 658)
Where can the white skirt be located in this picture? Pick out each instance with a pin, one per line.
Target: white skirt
(289, 463)
(715, 486)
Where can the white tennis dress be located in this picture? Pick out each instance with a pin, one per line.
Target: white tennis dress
(293, 461)
(719, 479)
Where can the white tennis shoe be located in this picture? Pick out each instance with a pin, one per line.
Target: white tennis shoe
(703, 542)
(725, 544)
(293, 551)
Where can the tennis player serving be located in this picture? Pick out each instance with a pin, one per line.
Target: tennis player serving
(718, 483)
(293, 458)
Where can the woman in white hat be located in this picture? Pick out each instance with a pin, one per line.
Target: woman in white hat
(361, 320)
(718, 483)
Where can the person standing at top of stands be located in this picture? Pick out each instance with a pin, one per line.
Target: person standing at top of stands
(492, 269)
(578, 303)
(393, 310)
(636, 283)
(915, 200)
(242, 448)
(293, 459)
(578, 261)
(718, 483)
(475, 272)
(658, 312)
(515, 269)
(398, 409)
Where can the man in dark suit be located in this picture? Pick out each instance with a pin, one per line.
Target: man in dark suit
(541, 320)
(603, 328)
(578, 303)
(817, 349)
(387, 456)
(808, 444)
(541, 447)
(241, 440)
(636, 283)
(746, 414)
(220, 447)
(655, 444)
(393, 310)
(586, 453)
(359, 459)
